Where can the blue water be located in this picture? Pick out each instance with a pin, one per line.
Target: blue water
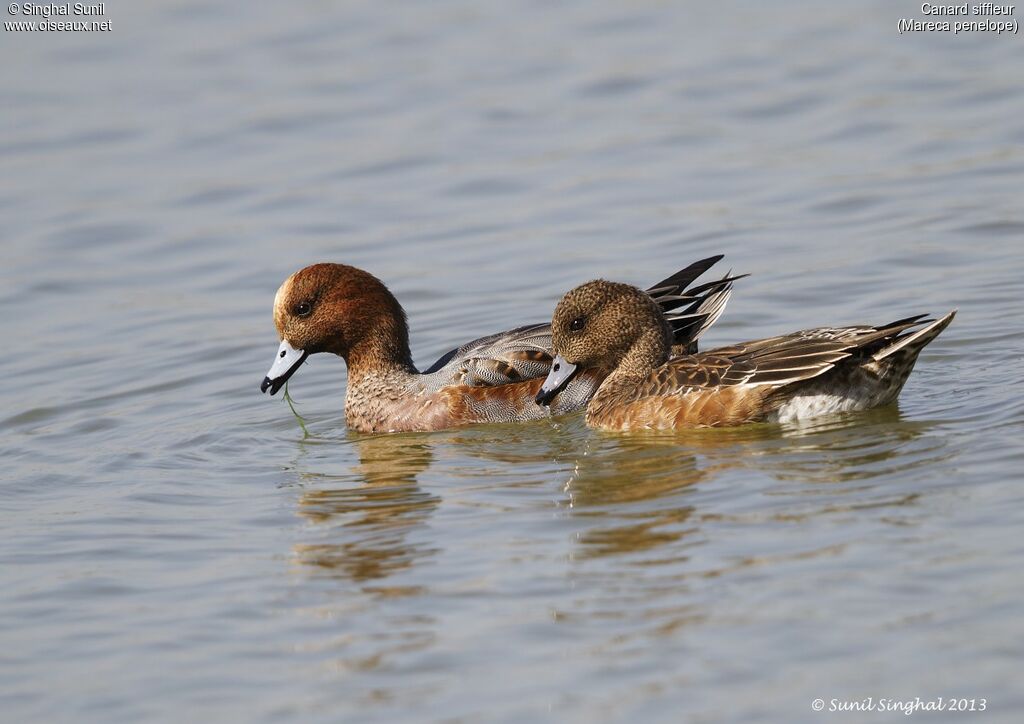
(175, 548)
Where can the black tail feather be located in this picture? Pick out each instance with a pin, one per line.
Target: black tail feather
(684, 277)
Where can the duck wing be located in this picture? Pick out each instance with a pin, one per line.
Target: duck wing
(774, 361)
(497, 359)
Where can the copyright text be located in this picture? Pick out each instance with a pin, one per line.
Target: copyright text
(904, 706)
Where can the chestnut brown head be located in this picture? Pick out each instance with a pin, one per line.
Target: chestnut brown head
(338, 309)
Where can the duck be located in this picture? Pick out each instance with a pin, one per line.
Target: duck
(616, 333)
(330, 308)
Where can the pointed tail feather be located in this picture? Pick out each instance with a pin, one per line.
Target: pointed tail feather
(690, 312)
(675, 284)
(918, 340)
(703, 312)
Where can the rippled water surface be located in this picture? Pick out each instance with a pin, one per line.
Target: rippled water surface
(173, 547)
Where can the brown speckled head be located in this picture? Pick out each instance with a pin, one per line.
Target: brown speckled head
(604, 328)
(339, 309)
(596, 324)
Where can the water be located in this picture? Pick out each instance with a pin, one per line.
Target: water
(173, 546)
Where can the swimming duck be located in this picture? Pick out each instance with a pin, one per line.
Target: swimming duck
(616, 333)
(346, 311)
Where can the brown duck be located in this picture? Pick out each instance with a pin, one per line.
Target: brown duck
(616, 333)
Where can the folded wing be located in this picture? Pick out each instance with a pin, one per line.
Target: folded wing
(775, 361)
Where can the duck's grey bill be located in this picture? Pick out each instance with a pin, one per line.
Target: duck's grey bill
(560, 375)
(287, 361)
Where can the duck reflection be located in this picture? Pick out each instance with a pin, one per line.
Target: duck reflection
(859, 447)
(641, 485)
(366, 524)
(638, 489)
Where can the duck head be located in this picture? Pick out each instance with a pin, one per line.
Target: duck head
(604, 326)
(338, 309)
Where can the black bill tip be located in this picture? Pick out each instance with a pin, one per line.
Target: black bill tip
(561, 374)
(274, 385)
(544, 397)
(278, 382)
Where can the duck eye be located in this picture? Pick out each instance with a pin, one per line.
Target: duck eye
(302, 309)
(576, 325)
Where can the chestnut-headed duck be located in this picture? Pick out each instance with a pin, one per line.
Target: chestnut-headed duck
(348, 312)
(615, 333)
